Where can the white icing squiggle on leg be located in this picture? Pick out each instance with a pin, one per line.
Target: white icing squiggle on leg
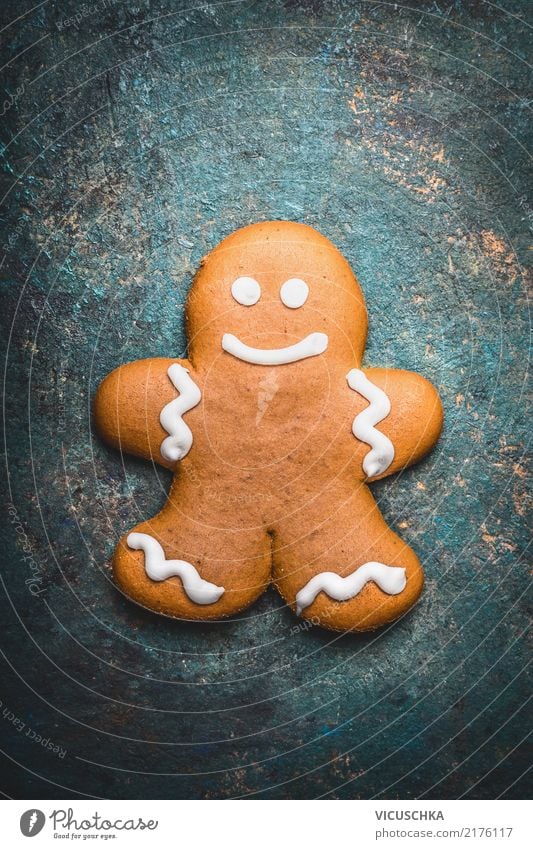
(159, 569)
(382, 454)
(179, 441)
(390, 579)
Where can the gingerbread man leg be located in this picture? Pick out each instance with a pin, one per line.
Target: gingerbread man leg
(173, 565)
(342, 567)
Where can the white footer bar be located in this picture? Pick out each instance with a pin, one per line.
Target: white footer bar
(258, 824)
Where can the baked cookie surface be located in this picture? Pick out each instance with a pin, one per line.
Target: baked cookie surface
(273, 430)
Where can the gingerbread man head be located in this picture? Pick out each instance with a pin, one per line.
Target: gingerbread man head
(273, 431)
(271, 287)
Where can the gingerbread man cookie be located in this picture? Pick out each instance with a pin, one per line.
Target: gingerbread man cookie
(273, 431)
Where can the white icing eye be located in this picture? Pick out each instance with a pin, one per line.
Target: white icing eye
(294, 293)
(246, 291)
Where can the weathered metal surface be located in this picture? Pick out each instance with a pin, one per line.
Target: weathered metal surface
(134, 139)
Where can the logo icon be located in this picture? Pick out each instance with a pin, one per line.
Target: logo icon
(31, 822)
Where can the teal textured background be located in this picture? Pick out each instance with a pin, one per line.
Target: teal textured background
(135, 137)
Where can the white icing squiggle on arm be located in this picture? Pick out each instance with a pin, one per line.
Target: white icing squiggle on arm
(390, 579)
(159, 569)
(382, 454)
(179, 441)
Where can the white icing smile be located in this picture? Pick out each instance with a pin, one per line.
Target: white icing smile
(311, 346)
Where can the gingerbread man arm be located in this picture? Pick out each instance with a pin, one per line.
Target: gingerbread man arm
(415, 420)
(138, 409)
